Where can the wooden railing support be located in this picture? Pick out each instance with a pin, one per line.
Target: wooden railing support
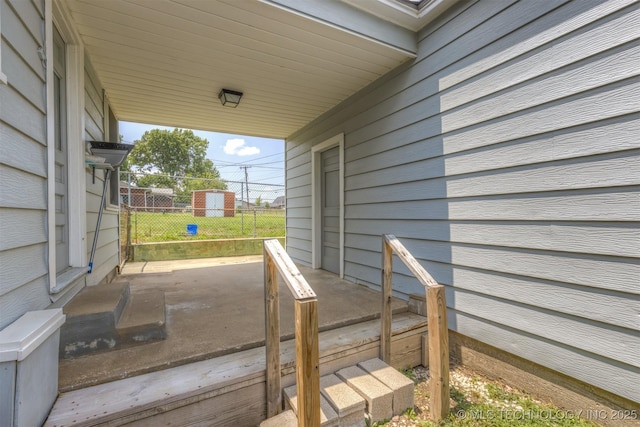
(385, 315)
(307, 363)
(436, 318)
(277, 261)
(272, 341)
(438, 351)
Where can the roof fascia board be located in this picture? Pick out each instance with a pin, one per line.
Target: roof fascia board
(347, 18)
(402, 14)
(434, 9)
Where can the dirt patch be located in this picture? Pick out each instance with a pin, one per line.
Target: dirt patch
(476, 400)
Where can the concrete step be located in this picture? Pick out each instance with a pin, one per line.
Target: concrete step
(347, 403)
(91, 319)
(143, 318)
(378, 396)
(284, 419)
(107, 317)
(401, 386)
(328, 417)
(372, 385)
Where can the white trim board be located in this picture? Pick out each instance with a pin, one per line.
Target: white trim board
(3, 76)
(316, 220)
(22, 337)
(55, 13)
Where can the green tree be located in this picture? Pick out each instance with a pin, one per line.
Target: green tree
(155, 180)
(173, 159)
(205, 181)
(258, 201)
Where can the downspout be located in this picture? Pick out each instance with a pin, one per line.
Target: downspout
(95, 235)
(114, 154)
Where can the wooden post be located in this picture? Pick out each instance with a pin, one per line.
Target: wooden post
(307, 363)
(438, 332)
(385, 314)
(276, 261)
(438, 351)
(272, 340)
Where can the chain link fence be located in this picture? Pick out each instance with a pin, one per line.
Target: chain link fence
(198, 209)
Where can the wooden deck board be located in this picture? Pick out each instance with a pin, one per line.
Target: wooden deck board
(158, 393)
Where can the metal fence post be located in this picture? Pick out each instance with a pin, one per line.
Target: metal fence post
(136, 221)
(129, 247)
(242, 206)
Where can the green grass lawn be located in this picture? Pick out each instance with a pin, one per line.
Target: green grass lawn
(162, 227)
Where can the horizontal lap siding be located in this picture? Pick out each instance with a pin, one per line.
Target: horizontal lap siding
(23, 166)
(506, 159)
(298, 206)
(107, 249)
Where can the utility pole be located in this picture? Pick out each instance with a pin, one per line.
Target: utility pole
(246, 181)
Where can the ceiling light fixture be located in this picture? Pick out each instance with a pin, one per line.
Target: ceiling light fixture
(229, 98)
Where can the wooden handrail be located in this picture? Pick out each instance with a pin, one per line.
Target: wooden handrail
(276, 260)
(438, 331)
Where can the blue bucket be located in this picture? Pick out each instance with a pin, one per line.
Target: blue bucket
(192, 229)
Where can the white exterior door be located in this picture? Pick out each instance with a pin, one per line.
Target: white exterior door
(214, 203)
(330, 210)
(61, 153)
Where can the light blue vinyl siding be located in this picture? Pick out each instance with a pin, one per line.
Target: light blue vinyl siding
(24, 282)
(506, 158)
(23, 165)
(107, 249)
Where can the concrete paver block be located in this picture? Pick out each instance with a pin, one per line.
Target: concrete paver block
(328, 417)
(401, 386)
(347, 402)
(379, 397)
(284, 419)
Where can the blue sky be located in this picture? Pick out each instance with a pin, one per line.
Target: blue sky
(229, 152)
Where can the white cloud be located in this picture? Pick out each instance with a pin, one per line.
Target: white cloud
(233, 145)
(236, 147)
(248, 151)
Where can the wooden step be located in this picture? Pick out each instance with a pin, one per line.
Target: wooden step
(229, 389)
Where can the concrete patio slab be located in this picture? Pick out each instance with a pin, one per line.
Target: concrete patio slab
(215, 307)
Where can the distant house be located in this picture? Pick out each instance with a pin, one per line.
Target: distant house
(278, 203)
(146, 198)
(243, 204)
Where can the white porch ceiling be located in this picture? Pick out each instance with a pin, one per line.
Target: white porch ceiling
(164, 61)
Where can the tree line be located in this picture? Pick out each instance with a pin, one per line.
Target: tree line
(172, 159)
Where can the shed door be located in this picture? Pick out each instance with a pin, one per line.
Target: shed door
(330, 210)
(214, 204)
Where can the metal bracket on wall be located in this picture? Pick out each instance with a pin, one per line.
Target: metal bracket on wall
(99, 166)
